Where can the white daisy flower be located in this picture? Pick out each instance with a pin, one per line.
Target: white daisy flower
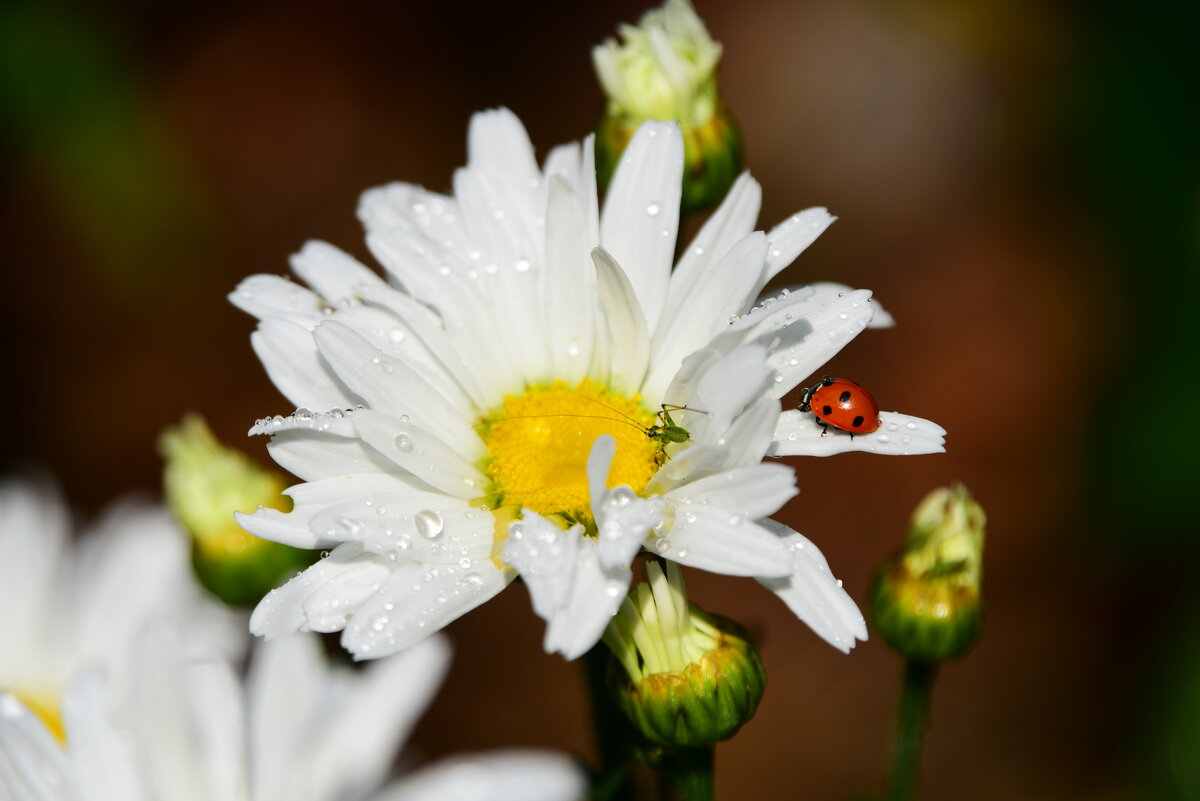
(490, 409)
(73, 603)
(299, 731)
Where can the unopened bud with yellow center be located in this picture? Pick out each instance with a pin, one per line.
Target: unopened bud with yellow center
(666, 69)
(927, 600)
(205, 483)
(690, 679)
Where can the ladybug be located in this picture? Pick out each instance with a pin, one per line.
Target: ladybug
(842, 404)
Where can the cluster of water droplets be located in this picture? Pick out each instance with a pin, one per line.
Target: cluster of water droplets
(448, 574)
(334, 420)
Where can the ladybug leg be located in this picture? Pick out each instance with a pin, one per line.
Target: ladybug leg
(824, 427)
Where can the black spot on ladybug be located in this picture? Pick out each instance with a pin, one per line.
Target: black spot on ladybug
(858, 421)
(826, 410)
(844, 397)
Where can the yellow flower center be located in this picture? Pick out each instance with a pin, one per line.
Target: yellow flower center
(539, 444)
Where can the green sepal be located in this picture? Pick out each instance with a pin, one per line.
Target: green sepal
(926, 620)
(706, 702)
(244, 581)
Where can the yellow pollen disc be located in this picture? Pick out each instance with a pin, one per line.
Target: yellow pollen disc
(539, 444)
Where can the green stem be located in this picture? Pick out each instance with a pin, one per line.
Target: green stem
(686, 774)
(914, 709)
(614, 734)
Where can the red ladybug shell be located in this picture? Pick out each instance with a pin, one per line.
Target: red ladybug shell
(842, 404)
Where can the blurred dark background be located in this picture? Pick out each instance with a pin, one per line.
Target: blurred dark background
(1018, 182)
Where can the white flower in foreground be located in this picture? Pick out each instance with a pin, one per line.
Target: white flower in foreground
(502, 383)
(71, 604)
(299, 731)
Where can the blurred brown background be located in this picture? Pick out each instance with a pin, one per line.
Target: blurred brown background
(1016, 181)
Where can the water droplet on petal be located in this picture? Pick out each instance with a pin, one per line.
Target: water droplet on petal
(621, 496)
(429, 524)
(404, 442)
(653, 209)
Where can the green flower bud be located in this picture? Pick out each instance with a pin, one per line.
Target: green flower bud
(927, 600)
(666, 69)
(205, 483)
(690, 679)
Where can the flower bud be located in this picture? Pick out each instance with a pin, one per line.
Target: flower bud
(205, 483)
(927, 600)
(666, 70)
(690, 679)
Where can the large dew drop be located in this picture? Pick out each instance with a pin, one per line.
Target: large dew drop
(429, 524)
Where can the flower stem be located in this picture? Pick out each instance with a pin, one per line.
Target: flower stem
(686, 774)
(614, 734)
(914, 708)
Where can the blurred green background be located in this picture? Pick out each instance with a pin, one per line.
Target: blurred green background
(1018, 182)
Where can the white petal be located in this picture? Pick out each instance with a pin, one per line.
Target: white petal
(332, 422)
(640, 220)
(814, 595)
(324, 734)
(721, 541)
(313, 455)
(497, 143)
(545, 556)
(578, 166)
(332, 272)
(290, 357)
(728, 387)
(743, 443)
(294, 528)
(426, 527)
(451, 289)
(502, 224)
(348, 569)
(754, 491)
(792, 236)
(388, 700)
(32, 765)
(394, 388)
(417, 601)
(101, 756)
(801, 348)
(898, 435)
(420, 452)
(625, 325)
(285, 684)
(213, 694)
(425, 342)
(596, 595)
(494, 776)
(624, 521)
(828, 291)
(722, 292)
(732, 222)
(29, 571)
(564, 161)
(599, 465)
(273, 296)
(568, 284)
